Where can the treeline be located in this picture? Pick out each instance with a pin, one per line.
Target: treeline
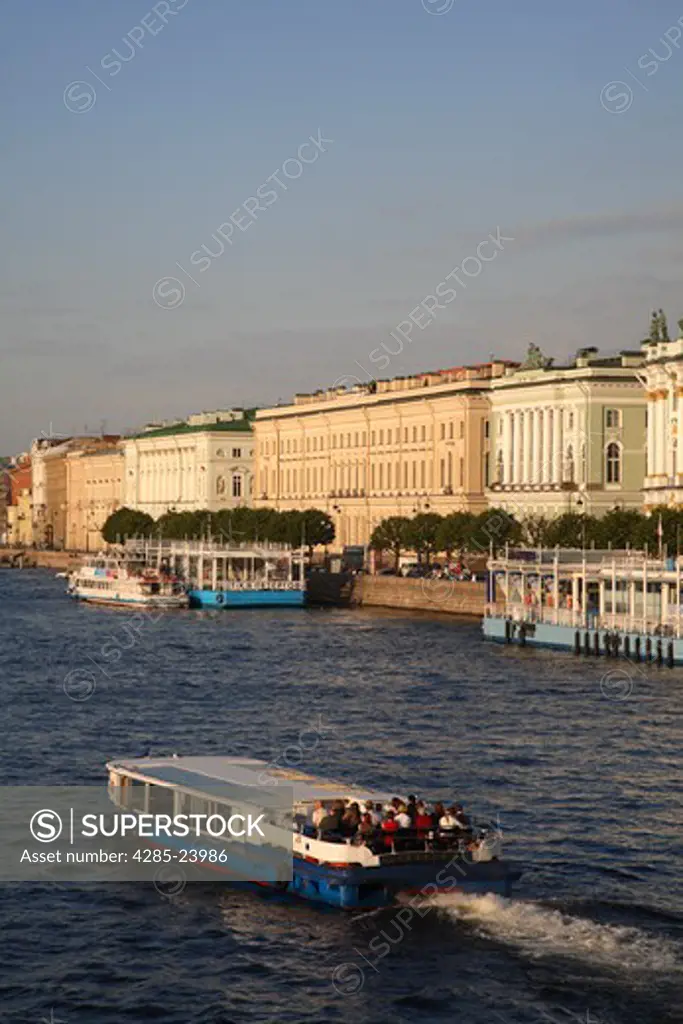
(310, 527)
(428, 533)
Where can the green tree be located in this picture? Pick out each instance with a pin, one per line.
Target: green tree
(535, 530)
(126, 522)
(391, 535)
(569, 530)
(318, 529)
(421, 535)
(495, 527)
(619, 528)
(455, 532)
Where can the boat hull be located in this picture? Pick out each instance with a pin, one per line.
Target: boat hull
(582, 640)
(161, 604)
(247, 598)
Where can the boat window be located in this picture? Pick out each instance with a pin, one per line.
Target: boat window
(161, 800)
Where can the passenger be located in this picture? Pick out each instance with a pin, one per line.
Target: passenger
(402, 817)
(367, 826)
(319, 813)
(332, 822)
(437, 814)
(411, 809)
(375, 816)
(389, 828)
(351, 819)
(424, 822)
(448, 821)
(379, 813)
(463, 822)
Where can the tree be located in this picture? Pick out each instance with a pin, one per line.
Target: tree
(535, 529)
(126, 522)
(390, 535)
(318, 529)
(455, 532)
(496, 527)
(569, 530)
(421, 535)
(619, 528)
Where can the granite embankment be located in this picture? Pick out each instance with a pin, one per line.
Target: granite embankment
(427, 595)
(28, 558)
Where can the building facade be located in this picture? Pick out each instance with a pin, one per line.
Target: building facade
(663, 381)
(568, 438)
(19, 530)
(205, 462)
(49, 485)
(388, 448)
(94, 489)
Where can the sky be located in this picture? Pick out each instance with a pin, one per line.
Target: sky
(133, 132)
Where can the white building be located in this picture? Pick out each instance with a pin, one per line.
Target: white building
(203, 463)
(568, 438)
(663, 379)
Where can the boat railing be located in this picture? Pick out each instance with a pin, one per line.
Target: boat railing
(259, 584)
(578, 619)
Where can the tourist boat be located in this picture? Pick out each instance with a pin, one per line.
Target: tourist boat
(218, 575)
(331, 869)
(615, 603)
(104, 579)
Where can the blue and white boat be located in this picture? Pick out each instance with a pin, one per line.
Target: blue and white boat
(328, 868)
(230, 575)
(612, 603)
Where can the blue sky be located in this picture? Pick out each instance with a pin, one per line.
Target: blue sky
(445, 128)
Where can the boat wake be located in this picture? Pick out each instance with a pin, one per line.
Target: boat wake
(540, 931)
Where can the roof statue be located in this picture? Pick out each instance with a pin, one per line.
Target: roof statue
(659, 330)
(535, 360)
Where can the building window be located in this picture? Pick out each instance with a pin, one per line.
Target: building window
(613, 463)
(462, 429)
(381, 437)
(237, 485)
(450, 431)
(443, 431)
(486, 429)
(443, 473)
(423, 434)
(462, 472)
(237, 453)
(612, 417)
(373, 438)
(414, 434)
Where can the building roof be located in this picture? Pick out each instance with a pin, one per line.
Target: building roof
(242, 426)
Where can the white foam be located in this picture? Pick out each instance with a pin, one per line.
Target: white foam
(540, 932)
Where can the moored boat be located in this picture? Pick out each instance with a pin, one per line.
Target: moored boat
(104, 579)
(349, 871)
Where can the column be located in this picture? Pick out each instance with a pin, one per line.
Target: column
(650, 467)
(546, 454)
(558, 434)
(529, 433)
(535, 448)
(661, 434)
(519, 447)
(507, 447)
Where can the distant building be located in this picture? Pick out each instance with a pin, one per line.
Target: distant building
(20, 504)
(568, 438)
(205, 462)
(388, 448)
(49, 485)
(94, 486)
(663, 379)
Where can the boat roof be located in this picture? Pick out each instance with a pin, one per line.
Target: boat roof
(209, 772)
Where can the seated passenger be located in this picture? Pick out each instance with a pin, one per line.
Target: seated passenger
(375, 814)
(437, 814)
(389, 828)
(332, 822)
(351, 819)
(367, 826)
(319, 813)
(411, 808)
(448, 821)
(424, 822)
(402, 817)
(462, 821)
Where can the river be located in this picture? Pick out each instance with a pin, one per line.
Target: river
(582, 770)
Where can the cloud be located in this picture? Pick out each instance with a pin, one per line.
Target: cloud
(603, 225)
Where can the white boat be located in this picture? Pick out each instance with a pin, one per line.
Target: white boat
(349, 872)
(108, 580)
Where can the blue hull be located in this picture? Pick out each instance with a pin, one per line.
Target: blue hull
(582, 640)
(247, 598)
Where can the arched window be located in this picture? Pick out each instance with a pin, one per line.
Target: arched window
(613, 463)
(237, 485)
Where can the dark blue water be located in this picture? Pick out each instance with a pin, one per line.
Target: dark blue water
(587, 787)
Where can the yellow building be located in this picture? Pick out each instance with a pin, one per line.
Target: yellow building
(387, 448)
(19, 520)
(94, 488)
